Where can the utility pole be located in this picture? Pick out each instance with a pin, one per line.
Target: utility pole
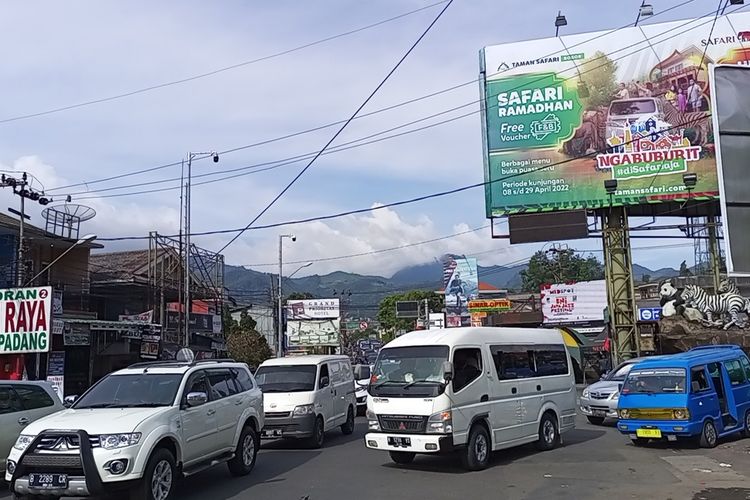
(20, 271)
(714, 252)
(280, 333)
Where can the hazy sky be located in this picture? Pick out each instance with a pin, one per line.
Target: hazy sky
(62, 53)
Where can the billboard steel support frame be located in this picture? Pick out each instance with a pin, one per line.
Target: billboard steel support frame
(618, 265)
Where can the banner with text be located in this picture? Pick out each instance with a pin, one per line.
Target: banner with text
(313, 332)
(575, 302)
(312, 309)
(562, 115)
(25, 320)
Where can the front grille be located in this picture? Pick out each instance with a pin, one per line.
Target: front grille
(403, 423)
(600, 395)
(278, 414)
(651, 414)
(56, 460)
(596, 407)
(63, 442)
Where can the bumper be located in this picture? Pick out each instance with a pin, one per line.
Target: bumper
(419, 443)
(667, 428)
(77, 487)
(598, 407)
(362, 400)
(291, 427)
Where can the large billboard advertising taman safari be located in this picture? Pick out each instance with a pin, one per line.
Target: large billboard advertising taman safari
(562, 115)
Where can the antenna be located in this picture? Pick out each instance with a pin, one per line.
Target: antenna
(65, 220)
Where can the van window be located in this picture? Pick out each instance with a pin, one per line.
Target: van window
(698, 380)
(551, 360)
(242, 379)
(335, 370)
(323, 373)
(346, 371)
(735, 371)
(467, 367)
(286, 378)
(222, 385)
(746, 366)
(655, 381)
(33, 396)
(513, 362)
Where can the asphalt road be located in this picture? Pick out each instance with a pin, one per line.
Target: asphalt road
(594, 463)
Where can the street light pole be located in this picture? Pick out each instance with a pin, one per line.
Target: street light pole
(86, 239)
(280, 333)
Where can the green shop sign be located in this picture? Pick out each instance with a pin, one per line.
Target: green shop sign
(532, 111)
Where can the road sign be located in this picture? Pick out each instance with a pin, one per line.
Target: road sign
(363, 325)
(649, 313)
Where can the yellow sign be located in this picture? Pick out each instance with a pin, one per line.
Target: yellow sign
(492, 305)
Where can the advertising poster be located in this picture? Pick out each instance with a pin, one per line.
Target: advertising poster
(574, 302)
(313, 332)
(56, 372)
(25, 320)
(489, 306)
(562, 115)
(312, 309)
(461, 283)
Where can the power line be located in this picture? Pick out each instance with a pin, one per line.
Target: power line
(388, 108)
(219, 70)
(372, 94)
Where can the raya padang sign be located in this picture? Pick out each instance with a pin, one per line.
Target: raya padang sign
(25, 320)
(562, 115)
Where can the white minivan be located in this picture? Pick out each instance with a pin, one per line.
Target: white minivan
(471, 390)
(305, 396)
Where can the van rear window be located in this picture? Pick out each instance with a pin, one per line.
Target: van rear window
(655, 381)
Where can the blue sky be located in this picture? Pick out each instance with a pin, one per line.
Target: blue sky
(85, 50)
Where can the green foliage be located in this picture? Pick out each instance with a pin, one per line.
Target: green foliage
(646, 278)
(562, 267)
(387, 309)
(243, 342)
(300, 296)
(598, 72)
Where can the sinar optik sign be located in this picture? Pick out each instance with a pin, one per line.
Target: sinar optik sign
(25, 320)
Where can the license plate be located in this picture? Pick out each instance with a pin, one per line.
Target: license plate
(48, 481)
(600, 413)
(400, 442)
(648, 433)
(271, 433)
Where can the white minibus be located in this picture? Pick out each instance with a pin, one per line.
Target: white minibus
(471, 390)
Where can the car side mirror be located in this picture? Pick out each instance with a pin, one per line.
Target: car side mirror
(362, 372)
(447, 371)
(196, 399)
(324, 382)
(70, 401)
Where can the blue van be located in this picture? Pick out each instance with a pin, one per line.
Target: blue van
(703, 394)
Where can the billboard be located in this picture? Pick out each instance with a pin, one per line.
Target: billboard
(313, 332)
(489, 306)
(574, 302)
(312, 309)
(732, 123)
(461, 282)
(562, 115)
(25, 320)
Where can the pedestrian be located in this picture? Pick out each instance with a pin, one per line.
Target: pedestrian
(681, 101)
(622, 92)
(671, 96)
(695, 95)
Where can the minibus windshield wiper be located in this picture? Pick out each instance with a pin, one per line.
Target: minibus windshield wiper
(384, 382)
(422, 381)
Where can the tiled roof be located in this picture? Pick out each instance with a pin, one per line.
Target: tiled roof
(117, 265)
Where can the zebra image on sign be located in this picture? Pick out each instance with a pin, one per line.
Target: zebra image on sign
(717, 305)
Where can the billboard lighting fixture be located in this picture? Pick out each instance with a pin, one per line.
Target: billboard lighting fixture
(647, 10)
(560, 20)
(736, 2)
(690, 180)
(610, 186)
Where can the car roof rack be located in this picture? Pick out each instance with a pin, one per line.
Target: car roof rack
(718, 346)
(174, 362)
(217, 360)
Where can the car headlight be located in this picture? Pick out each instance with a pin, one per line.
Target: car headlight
(372, 421)
(585, 393)
(624, 414)
(23, 442)
(681, 414)
(112, 441)
(440, 423)
(615, 396)
(304, 410)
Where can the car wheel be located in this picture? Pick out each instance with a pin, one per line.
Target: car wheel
(402, 457)
(640, 442)
(316, 440)
(746, 428)
(709, 438)
(549, 435)
(245, 454)
(476, 456)
(596, 420)
(348, 427)
(158, 482)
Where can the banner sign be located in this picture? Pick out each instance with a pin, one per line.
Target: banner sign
(313, 333)
(312, 309)
(574, 303)
(461, 281)
(492, 305)
(76, 334)
(56, 372)
(25, 320)
(562, 115)
(649, 313)
(144, 317)
(150, 346)
(199, 323)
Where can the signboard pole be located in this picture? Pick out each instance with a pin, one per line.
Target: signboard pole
(620, 290)
(713, 248)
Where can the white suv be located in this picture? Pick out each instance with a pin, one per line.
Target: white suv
(139, 429)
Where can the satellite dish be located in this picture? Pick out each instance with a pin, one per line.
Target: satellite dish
(185, 354)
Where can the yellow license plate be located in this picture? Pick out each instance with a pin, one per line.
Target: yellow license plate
(648, 433)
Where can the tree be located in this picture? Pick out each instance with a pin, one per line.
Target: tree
(300, 296)
(244, 343)
(646, 278)
(387, 309)
(598, 73)
(564, 266)
(684, 270)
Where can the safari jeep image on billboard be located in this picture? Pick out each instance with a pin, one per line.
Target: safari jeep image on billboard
(562, 115)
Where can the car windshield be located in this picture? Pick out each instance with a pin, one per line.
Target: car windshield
(620, 373)
(409, 371)
(655, 381)
(143, 390)
(288, 378)
(632, 107)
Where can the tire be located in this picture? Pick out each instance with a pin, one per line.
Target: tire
(549, 433)
(316, 440)
(639, 442)
(161, 464)
(348, 427)
(476, 455)
(709, 437)
(402, 457)
(746, 428)
(595, 420)
(245, 454)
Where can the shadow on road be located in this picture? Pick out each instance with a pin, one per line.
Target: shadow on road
(334, 438)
